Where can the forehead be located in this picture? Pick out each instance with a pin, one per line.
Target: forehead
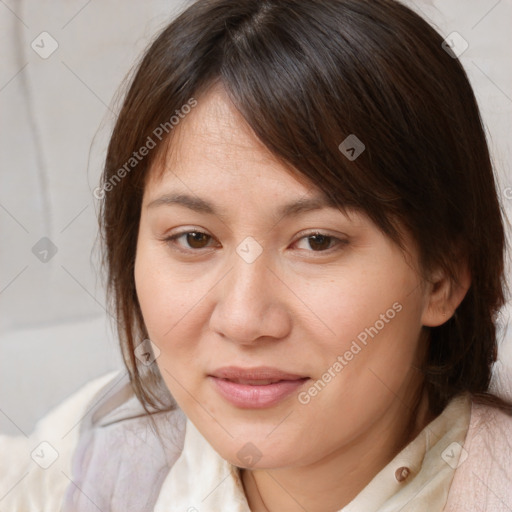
(213, 144)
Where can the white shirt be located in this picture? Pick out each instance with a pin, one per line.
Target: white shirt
(201, 480)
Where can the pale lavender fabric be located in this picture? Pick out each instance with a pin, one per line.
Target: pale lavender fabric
(120, 463)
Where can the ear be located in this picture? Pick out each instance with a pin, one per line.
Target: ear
(444, 295)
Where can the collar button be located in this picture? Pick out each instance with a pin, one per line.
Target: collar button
(402, 473)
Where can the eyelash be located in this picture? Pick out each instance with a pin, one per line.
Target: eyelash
(171, 240)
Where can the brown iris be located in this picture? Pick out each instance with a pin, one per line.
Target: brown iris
(319, 242)
(195, 239)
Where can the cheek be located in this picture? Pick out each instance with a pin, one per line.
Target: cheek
(358, 303)
(165, 300)
(374, 323)
(163, 303)
(366, 368)
(154, 297)
(170, 305)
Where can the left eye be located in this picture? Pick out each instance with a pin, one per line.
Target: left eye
(320, 242)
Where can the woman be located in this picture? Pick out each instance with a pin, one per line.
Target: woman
(304, 251)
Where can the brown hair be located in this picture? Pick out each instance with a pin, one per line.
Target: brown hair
(305, 74)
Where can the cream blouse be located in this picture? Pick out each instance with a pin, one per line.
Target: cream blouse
(97, 452)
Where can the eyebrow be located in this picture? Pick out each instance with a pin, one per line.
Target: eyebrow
(202, 206)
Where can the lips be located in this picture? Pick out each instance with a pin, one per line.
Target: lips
(259, 376)
(255, 388)
(250, 382)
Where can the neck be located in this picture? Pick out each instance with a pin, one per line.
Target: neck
(334, 481)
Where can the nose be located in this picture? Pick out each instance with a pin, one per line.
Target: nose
(251, 304)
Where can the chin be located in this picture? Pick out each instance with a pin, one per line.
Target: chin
(256, 452)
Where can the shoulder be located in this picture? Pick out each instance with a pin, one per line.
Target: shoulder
(483, 478)
(99, 444)
(123, 454)
(33, 467)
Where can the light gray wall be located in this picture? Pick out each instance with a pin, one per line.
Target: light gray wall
(55, 121)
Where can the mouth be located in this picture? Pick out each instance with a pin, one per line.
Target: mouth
(253, 382)
(255, 388)
(260, 375)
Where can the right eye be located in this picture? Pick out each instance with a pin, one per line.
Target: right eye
(194, 240)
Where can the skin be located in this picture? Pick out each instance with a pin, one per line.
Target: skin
(295, 308)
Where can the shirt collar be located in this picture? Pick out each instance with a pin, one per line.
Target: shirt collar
(417, 479)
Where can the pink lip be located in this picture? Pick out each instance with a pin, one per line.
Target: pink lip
(254, 396)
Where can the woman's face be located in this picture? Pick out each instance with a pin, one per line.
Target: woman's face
(249, 281)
